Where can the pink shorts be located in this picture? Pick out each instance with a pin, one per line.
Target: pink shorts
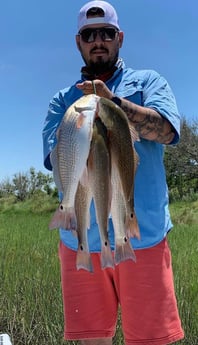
(144, 291)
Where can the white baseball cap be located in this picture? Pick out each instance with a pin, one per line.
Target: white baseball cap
(110, 16)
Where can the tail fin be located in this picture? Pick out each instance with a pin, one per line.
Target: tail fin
(132, 227)
(124, 252)
(106, 257)
(83, 260)
(65, 219)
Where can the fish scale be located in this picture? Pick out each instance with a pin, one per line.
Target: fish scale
(69, 153)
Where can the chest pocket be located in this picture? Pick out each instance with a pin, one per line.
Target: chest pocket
(132, 91)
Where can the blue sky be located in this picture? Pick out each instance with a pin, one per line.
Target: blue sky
(38, 57)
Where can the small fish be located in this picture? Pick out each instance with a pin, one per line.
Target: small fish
(82, 206)
(70, 155)
(100, 183)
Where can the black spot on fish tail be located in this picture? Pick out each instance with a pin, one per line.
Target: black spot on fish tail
(125, 239)
(81, 247)
(106, 243)
(131, 215)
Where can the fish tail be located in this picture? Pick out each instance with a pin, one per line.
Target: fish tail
(64, 219)
(132, 227)
(106, 256)
(83, 260)
(124, 252)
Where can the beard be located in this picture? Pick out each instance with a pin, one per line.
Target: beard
(100, 65)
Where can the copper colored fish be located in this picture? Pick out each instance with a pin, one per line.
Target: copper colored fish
(124, 161)
(99, 175)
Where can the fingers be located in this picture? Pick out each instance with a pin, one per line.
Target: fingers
(96, 86)
(87, 87)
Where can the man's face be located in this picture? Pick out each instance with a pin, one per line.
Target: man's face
(99, 46)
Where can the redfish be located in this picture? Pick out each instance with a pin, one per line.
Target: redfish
(99, 175)
(70, 155)
(124, 160)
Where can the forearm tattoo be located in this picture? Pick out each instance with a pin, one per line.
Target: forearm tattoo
(148, 123)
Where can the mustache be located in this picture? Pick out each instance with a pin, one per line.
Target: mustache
(99, 48)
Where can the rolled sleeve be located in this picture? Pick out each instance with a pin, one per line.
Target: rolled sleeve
(159, 96)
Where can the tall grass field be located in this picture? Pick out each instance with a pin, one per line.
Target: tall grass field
(31, 309)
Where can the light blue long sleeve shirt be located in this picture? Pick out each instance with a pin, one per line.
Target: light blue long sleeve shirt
(146, 88)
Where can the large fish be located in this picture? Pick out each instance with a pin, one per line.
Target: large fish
(99, 176)
(70, 156)
(123, 157)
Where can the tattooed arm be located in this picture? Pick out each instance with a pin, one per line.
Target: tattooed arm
(148, 122)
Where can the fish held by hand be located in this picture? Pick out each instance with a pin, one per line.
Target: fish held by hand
(70, 155)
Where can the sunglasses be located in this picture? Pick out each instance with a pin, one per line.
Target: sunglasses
(106, 34)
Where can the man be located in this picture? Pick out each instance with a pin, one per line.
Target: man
(144, 289)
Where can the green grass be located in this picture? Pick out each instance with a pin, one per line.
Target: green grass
(30, 293)
(184, 244)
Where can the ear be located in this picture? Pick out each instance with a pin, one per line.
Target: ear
(121, 38)
(78, 41)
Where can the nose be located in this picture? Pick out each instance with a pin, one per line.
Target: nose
(98, 37)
